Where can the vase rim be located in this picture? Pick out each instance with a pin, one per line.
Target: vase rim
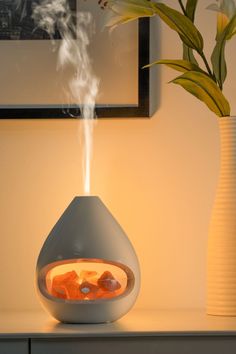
(228, 118)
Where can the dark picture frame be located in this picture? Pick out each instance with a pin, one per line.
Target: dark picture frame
(147, 100)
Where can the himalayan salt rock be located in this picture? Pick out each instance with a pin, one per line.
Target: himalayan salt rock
(88, 290)
(107, 282)
(87, 275)
(64, 285)
(68, 286)
(59, 292)
(62, 278)
(72, 290)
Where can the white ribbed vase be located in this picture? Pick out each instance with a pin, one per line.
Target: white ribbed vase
(221, 280)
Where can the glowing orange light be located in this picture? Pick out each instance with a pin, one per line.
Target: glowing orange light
(86, 280)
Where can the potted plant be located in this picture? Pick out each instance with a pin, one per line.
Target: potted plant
(204, 79)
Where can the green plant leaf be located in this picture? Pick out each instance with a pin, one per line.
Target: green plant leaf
(231, 28)
(231, 35)
(191, 6)
(218, 54)
(188, 55)
(206, 90)
(189, 34)
(179, 65)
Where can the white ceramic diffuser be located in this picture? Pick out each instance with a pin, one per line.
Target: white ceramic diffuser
(87, 270)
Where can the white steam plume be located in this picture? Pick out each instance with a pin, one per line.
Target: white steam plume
(75, 31)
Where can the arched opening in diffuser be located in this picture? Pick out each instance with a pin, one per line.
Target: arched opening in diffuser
(86, 279)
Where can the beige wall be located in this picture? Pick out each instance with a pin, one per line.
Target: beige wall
(157, 176)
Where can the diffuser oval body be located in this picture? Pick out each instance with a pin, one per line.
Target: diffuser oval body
(87, 270)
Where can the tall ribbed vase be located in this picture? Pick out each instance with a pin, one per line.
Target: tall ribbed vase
(221, 292)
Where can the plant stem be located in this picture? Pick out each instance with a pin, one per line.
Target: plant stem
(208, 67)
(182, 7)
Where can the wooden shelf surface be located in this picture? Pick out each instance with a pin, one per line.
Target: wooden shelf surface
(146, 323)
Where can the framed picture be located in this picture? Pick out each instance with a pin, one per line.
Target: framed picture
(33, 87)
(16, 22)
